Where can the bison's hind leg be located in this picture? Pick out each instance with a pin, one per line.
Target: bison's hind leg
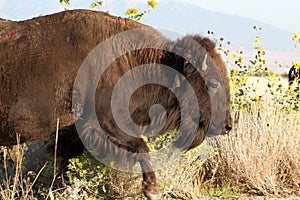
(69, 144)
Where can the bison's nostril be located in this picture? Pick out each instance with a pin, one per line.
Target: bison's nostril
(228, 127)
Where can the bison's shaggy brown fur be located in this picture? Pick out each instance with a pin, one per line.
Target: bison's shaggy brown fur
(38, 67)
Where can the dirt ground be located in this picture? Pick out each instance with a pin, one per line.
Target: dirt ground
(182, 196)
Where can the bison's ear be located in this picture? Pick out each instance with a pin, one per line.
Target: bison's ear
(204, 65)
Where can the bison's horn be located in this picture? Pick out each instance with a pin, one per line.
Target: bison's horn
(204, 65)
(177, 81)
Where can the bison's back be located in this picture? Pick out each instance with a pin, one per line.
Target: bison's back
(39, 60)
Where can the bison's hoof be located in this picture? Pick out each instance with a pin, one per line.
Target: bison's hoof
(151, 196)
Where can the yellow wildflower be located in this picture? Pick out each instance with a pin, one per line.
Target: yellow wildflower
(256, 41)
(232, 86)
(131, 11)
(111, 163)
(233, 55)
(297, 64)
(241, 60)
(152, 4)
(151, 147)
(274, 75)
(270, 135)
(245, 79)
(272, 85)
(256, 99)
(296, 36)
(260, 48)
(233, 71)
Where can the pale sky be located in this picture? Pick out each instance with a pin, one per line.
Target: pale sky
(282, 14)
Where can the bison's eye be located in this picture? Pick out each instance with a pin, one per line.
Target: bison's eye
(212, 83)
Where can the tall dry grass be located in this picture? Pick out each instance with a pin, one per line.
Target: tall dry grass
(14, 184)
(262, 154)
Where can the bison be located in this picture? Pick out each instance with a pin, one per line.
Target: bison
(294, 73)
(52, 67)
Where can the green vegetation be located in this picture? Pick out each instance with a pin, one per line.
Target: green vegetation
(220, 191)
(90, 173)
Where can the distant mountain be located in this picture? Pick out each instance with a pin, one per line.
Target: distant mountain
(184, 18)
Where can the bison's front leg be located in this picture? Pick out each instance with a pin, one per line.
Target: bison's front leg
(123, 145)
(149, 179)
(142, 155)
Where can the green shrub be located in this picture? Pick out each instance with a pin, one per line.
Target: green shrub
(92, 175)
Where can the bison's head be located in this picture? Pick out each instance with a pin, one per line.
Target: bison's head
(217, 82)
(213, 70)
(218, 88)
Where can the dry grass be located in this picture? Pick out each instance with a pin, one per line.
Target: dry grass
(14, 184)
(262, 154)
(260, 157)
